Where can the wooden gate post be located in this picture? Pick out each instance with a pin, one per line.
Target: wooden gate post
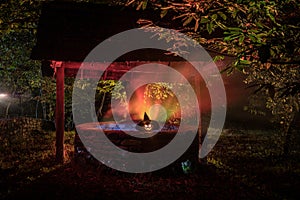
(197, 83)
(59, 112)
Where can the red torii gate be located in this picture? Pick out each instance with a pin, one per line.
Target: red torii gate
(60, 69)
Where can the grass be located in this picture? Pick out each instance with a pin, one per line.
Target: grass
(245, 164)
(254, 158)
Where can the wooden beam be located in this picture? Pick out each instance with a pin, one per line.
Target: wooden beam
(197, 83)
(59, 112)
(116, 65)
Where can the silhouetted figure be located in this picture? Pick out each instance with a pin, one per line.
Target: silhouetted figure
(147, 125)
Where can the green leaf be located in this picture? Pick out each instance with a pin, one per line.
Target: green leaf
(244, 62)
(235, 29)
(260, 25)
(261, 35)
(217, 58)
(222, 26)
(270, 15)
(186, 22)
(214, 17)
(144, 6)
(204, 20)
(241, 39)
(209, 27)
(221, 14)
(163, 13)
(228, 38)
(234, 13)
(252, 38)
(231, 37)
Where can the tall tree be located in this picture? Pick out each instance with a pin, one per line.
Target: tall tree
(18, 21)
(19, 74)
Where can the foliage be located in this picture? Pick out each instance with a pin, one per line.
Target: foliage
(260, 151)
(104, 89)
(280, 91)
(19, 16)
(27, 156)
(158, 91)
(163, 93)
(18, 73)
(18, 21)
(47, 97)
(116, 88)
(251, 30)
(263, 36)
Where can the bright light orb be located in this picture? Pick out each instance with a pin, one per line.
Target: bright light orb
(3, 95)
(158, 112)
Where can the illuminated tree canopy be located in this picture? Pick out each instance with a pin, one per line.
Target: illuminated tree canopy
(263, 36)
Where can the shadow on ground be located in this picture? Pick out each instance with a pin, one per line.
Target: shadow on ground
(73, 182)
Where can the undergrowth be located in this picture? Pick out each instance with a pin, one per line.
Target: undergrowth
(249, 158)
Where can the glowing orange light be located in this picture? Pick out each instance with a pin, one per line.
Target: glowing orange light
(139, 104)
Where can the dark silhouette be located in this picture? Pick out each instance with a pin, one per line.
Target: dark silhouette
(147, 125)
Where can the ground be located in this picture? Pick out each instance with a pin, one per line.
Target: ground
(245, 164)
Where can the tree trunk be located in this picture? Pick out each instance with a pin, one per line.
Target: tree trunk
(7, 109)
(44, 111)
(36, 109)
(21, 105)
(99, 113)
(288, 137)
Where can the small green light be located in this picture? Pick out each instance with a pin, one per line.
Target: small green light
(186, 167)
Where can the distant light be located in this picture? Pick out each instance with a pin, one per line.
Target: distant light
(3, 95)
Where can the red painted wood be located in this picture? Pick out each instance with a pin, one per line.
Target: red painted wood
(197, 83)
(59, 114)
